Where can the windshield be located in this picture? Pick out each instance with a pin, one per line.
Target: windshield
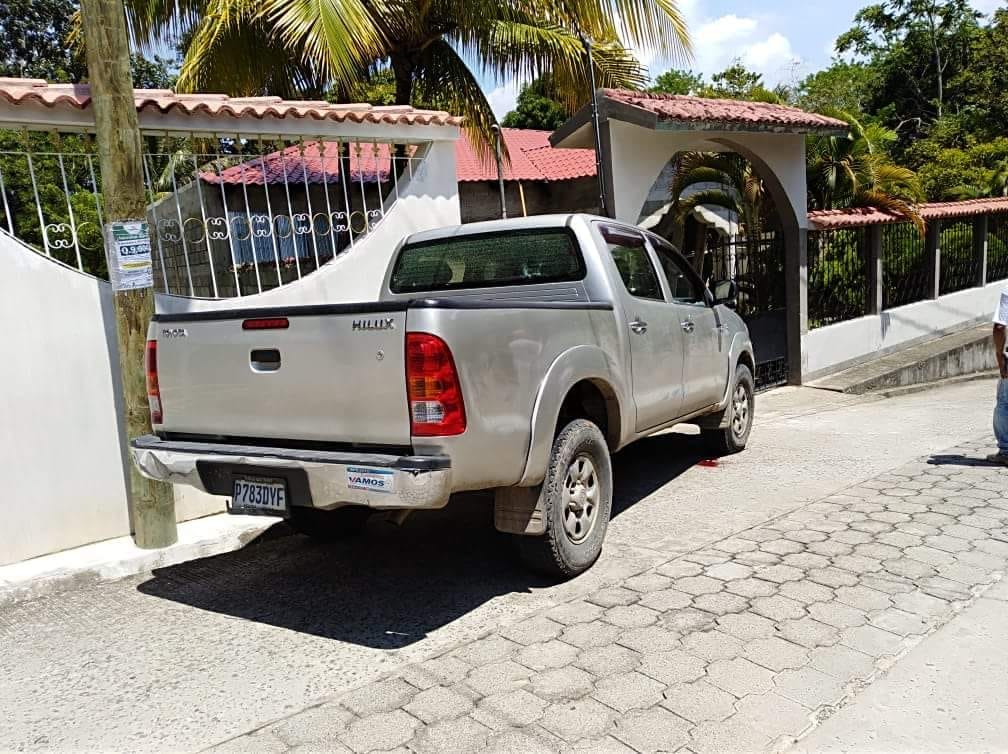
(541, 255)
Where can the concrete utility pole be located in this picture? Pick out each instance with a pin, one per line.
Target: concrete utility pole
(120, 158)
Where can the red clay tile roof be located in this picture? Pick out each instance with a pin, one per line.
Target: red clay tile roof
(78, 96)
(532, 159)
(717, 111)
(830, 219)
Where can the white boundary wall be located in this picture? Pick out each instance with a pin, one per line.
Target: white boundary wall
(64, 477)
(847, 343)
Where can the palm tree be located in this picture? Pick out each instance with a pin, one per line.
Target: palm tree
(856, 171)
(316, 48)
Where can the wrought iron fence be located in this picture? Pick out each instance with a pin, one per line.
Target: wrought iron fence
(837, 275)
(757, 267)
(905, 276)
(959, 268)
(997, 248)
(228, 216)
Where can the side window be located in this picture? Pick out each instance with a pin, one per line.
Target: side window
(684, 284)
(634, 264)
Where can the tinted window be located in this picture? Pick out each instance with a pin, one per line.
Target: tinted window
(487, 260)
(634, 264)
(683, 283)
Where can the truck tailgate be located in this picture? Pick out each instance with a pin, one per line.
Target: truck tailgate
(319, 373)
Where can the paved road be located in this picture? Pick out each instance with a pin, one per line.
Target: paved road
(197, 654)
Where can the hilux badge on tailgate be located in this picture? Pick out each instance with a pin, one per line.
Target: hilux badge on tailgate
(381, 323)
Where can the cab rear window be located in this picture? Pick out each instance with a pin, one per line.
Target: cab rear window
(488, 260)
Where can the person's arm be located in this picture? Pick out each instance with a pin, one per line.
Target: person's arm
(999, 349)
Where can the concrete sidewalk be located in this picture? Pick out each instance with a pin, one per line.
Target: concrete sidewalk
(120, 557)
(947, 694)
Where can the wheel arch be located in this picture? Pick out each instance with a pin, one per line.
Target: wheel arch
(580, 384)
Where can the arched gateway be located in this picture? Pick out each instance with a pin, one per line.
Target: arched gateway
(641, 132)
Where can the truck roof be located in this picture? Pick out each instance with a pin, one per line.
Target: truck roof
(493, 226)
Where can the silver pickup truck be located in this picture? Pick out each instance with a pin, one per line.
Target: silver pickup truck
(512, 356)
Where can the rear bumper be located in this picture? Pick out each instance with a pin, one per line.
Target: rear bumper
(319, 479)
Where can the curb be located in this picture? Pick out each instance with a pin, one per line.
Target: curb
(120, 558)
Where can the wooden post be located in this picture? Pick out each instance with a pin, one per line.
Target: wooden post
(874, 258)
(120, 158)
(932, 259)
(980, 250)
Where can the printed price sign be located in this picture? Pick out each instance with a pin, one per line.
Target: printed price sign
(128, 249)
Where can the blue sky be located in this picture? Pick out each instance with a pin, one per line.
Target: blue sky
(782, 39)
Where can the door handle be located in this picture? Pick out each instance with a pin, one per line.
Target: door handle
(638, 326)
(687, 325)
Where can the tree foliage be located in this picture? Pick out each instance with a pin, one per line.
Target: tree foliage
(536, 107)
(678, 81)
(314, 49)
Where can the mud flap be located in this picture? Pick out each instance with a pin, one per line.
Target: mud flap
(519, 510)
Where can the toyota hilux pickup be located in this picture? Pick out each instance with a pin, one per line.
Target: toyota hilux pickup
(514, 356)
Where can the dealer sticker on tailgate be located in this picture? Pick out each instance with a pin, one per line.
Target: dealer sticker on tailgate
(376, 480)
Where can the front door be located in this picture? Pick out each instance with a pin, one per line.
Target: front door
(653, 327)
(705, 364)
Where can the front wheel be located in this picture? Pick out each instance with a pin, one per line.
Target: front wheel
(576, 501)
(739, 415)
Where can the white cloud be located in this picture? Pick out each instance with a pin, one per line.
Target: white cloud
(721, 31)
(773, 57)
(503, 98)
(987, 7)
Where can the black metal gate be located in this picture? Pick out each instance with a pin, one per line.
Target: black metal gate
(757, 266)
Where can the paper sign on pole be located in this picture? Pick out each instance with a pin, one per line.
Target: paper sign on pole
(128, 250)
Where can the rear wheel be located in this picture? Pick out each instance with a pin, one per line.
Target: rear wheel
(329, 526)
(739, 415)
(577, 502)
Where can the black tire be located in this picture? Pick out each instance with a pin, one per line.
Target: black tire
(329, 526)
(558, 553)
(733, 438)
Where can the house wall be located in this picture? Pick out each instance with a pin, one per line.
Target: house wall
(827, 349)
(60, 439)
(429, 200)
(480, 200)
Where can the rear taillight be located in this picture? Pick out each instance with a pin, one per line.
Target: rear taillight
(266, 323)
(153, 391)
(432, 386)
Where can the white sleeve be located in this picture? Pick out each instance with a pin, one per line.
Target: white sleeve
(1001, 314)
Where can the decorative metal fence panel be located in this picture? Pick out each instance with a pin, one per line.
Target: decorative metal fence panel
(905, 277)
(228, 216)
(959, 269)
(997, 248)
(837, 275)
(757, 267)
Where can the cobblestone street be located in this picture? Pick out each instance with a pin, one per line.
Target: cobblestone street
(740, 646)
(734, 604)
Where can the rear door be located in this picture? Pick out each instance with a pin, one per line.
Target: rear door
(327, 374)
(653, 329)
(705, 366)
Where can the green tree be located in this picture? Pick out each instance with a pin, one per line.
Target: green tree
(535, 108)
(916, 48)
(857, 171)
(34, 34)
(983, 82)
(842, 86)
(302, 47)
(738, 82)
(677, 81)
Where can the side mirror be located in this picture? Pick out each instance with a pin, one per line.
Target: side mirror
(726, 293)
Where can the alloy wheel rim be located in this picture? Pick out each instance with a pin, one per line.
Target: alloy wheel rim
(580, 498)
(740, 411)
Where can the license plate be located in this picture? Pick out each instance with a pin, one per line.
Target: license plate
(257, 495)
